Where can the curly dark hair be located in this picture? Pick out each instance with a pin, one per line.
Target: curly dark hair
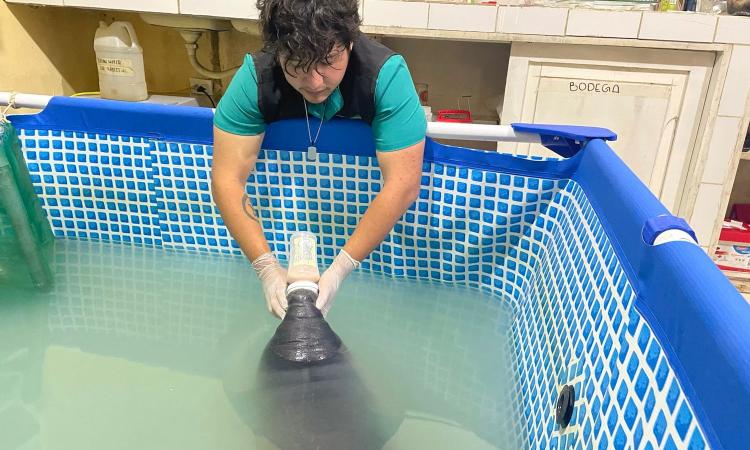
(306, 31)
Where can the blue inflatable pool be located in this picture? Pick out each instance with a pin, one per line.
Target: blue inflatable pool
(653, 338)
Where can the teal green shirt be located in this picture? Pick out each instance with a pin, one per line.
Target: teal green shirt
(399, 120)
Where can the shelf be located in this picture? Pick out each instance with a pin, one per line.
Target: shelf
(740, 280)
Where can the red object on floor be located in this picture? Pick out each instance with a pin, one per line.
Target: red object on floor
(741, 212)
(735, 234)
(454, 115)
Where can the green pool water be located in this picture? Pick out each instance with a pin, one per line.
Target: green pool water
(142, 348)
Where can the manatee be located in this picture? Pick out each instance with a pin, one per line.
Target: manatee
(307, 393)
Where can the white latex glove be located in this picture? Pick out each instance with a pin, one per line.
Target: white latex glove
(332, 278)
(273, 277)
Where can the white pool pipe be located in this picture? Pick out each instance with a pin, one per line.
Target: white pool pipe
(444, 130)
(478, 132)
(24, 100)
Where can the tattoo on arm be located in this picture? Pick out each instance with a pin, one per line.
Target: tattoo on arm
(247, 208)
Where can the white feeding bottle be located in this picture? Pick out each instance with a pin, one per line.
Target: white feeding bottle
(303, 258)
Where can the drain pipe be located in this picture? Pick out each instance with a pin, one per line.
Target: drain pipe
(191, 44)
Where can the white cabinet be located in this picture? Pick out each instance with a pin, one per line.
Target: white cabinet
(651, 98)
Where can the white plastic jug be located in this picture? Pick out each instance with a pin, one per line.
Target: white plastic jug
(120, 62)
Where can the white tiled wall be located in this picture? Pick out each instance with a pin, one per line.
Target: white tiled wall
(462, 17)
(678, 27)
(733, 30)
(38, 2)
(589, 22)
(163, 6)
(532, 20)
(236, 9)
(512, 17)
(396, 14)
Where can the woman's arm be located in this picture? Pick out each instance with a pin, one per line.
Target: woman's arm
(234, 158)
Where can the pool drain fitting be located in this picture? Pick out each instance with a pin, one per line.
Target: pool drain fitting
(564, 409)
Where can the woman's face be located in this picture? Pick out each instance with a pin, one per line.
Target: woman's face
(321, 79)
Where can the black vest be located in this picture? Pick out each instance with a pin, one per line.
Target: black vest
(278, 100)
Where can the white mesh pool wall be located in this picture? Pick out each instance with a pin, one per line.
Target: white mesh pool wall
(576, 325)
(535, 243)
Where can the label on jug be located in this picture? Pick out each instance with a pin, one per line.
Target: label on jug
(119, 67)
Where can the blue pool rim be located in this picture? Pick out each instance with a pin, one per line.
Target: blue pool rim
(698, 316)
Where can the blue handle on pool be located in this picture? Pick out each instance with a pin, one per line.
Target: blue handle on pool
(659, 224)
(565, 140)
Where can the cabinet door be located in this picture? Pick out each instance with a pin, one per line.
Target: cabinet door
(651, 98)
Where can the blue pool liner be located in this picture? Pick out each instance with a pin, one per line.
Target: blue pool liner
(701, 320)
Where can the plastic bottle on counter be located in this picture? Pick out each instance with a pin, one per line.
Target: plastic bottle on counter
(119, 59)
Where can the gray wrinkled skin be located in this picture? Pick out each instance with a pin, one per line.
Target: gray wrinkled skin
(307, 394)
